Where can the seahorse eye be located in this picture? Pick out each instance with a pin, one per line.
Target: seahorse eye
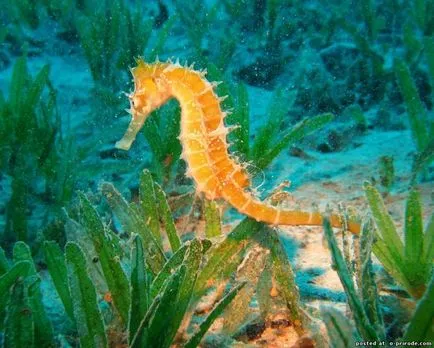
(135, 103)
(138, 103)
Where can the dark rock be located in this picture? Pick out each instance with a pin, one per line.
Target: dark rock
(4, 60)
(262, 72)
(300, 153)
(255, 331)
(304, 342)
(70, 36)
(324, 148)
(112, 152)
(280, 323)
(163, 15)
(251, 331)
(335, 140)
(338, 59)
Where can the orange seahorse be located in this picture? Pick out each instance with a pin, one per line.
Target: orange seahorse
(203, 137)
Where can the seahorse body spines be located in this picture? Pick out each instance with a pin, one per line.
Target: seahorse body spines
(203, 137)
(202, 116)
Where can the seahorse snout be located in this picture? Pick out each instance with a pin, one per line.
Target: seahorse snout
(137, 120)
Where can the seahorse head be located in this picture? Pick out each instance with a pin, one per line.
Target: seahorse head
(150, 89)
(150, 92)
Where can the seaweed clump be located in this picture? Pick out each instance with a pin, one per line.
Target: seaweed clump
(409, 265)
(118, 291)
(33, 147)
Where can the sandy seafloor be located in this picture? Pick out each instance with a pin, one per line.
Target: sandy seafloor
(322, 179)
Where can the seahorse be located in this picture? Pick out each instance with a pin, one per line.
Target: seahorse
(203, 137)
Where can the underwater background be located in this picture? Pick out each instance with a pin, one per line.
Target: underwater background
(330, 109)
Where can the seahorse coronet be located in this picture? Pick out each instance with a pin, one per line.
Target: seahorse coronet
(203, 136)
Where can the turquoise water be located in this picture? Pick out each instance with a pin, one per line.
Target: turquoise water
(322, 99)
